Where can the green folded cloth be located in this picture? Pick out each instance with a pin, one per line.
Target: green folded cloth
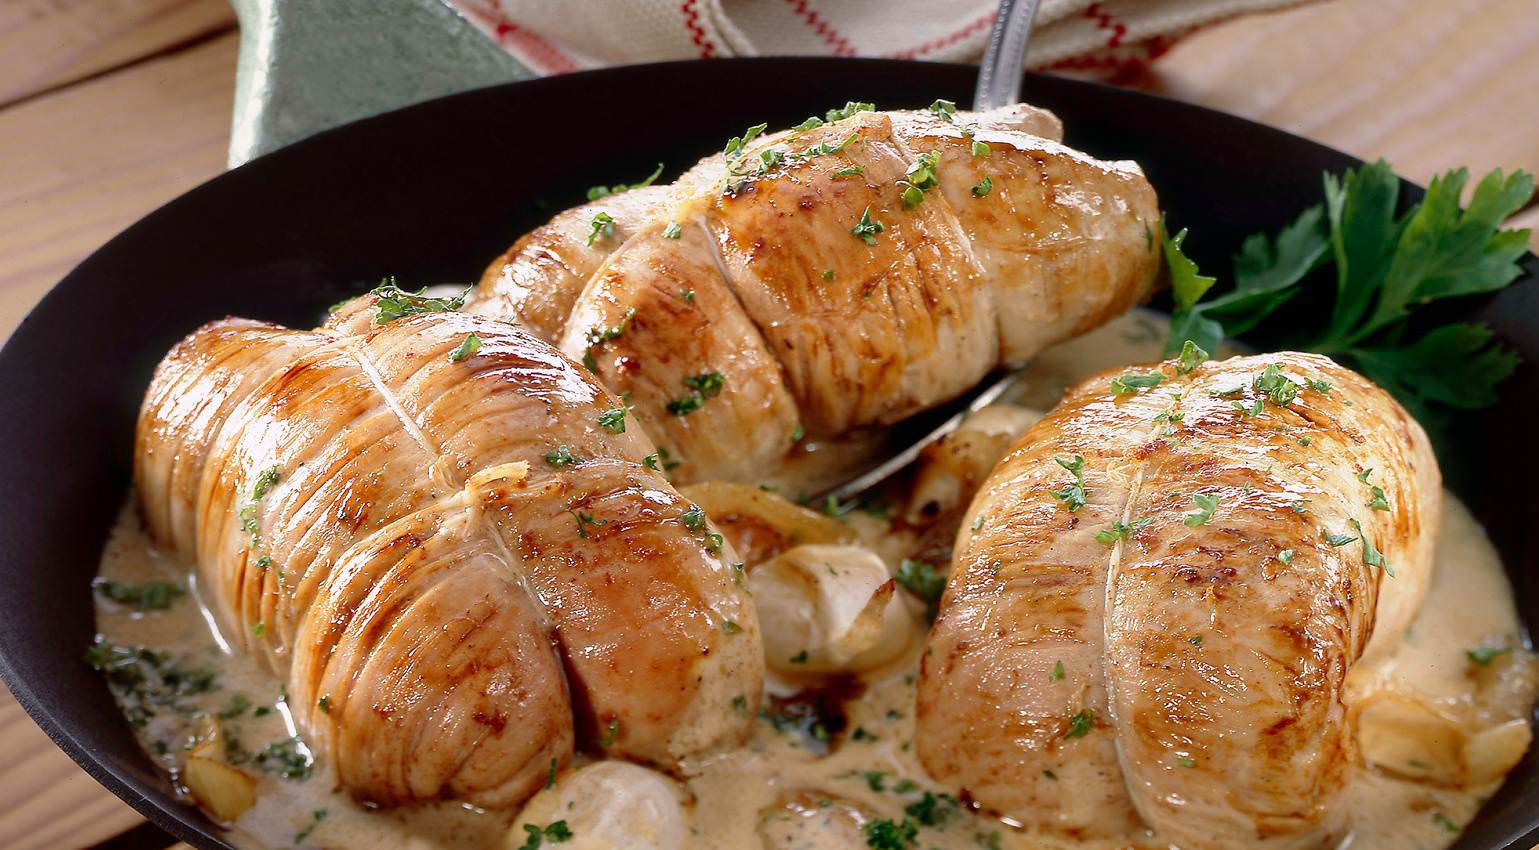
(306, 65)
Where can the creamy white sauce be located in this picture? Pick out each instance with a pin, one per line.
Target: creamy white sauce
(777, 791)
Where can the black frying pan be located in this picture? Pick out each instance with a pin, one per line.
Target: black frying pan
(430, 193)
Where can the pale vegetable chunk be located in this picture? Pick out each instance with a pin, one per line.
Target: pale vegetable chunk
(608, 805)
(830, 609)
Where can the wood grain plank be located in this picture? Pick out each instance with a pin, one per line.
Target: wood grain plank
(78, 165)
(48, 43)
(1429, 86)
(46, 802)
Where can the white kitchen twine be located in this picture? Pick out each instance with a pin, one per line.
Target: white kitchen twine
(1105, 40)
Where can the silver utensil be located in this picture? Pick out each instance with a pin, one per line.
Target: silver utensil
(999, 84)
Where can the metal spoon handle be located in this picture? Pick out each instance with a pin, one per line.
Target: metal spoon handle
(999, 75)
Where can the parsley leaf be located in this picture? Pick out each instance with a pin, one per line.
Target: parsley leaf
(1206, 505)
(867, 229)
(925, 582)
(596, 192)
(395, 302)
(470, 346)
(1130, 383)
(1388, 266)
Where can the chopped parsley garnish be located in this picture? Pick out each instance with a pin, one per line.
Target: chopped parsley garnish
(980, 148)
(884, 834)
(562, 456)
(983, 187)
(672, 231)
(395, 302)
(237, 705)
(946, 109)
(585, 519)
(612, 731)
(799, 658)
(1121, 531)
(925, 582)
(848, 109)
(1192, 356)
(558, 833)
(866, 230)
(324, 704)
(1206, 505)
(1379, 502)
(688, 295)
(470, 346)
(1131, 383)
(1081, 724)
(707, 384)
(1058, 672)
(599, 336)
(613, 420)
(685, 405)
(812, 123)
(694, 518)
(315, 820)
(149, 596)
(1385, 268)
(828, 274)
(147, 682)
(596, 192)
(249, 521)
(1372, 557)
(1286, 556)
(932, 809)
(550, 778)
(1073, 494)
(601, 227)
(1250, 410)
(1275, 386)
(288, 757)
(852, 171)
(735, 145)
(1336, 540)
(1186, 762)
(1484, 655)
(798, 433)
(1448, 825)
(731, 628)
(921, 177)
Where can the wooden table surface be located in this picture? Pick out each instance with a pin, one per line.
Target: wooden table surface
(109, 108)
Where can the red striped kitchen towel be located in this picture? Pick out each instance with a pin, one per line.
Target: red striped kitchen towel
(1108, 40)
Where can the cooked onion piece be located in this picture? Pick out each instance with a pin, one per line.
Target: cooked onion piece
(814, 820)
(608, 805)
(1405, 738)
(951, 469)
(761, 524)
(223, 791)
(830, 609)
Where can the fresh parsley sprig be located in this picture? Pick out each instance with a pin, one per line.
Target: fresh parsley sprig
(1387, 267)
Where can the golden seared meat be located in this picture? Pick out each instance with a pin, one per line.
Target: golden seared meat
(845, 275)
(1157, 594)
(460, 554)
(536, 282)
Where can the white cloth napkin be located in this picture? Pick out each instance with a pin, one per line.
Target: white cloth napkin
(1107, 40)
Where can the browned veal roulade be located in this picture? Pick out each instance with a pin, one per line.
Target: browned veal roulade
(1157, 595)
(441, 533)
(833, 277)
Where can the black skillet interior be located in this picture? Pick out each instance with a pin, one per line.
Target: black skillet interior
(431, 192)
